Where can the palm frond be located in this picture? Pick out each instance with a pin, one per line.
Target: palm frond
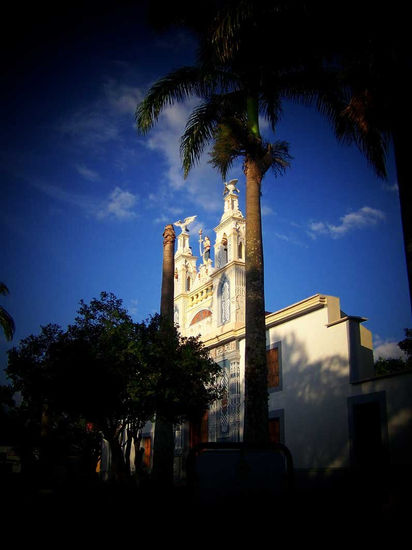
(280, 157)
(7, 323)
(201, 81)
(3, 289)
(271, 109)
(228, 22)
(229, 143)
(360, 119)
(351, 115)
(202, 125)
(174, 87)
(198, 133)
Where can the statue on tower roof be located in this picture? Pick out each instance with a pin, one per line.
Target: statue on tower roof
(185, 223)
(230, 187)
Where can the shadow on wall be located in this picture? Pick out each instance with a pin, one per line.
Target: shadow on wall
(317, 397)
(351, 443)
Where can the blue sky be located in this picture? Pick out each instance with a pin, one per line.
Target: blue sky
(85, 199)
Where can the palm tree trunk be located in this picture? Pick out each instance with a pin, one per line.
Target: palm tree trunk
(256, 395)
(402, 154)
(163, 445)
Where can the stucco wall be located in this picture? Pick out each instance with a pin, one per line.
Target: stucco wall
(315, 375)
(396, 391)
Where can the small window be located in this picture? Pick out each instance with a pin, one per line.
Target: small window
(272, 360)
(187, 284)
(277, 426)
(274, 430)
(147, 451)
(240, 250)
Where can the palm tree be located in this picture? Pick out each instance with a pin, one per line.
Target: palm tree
(358, 61)
(6, 320)
(228, 117)
(378, 76)
(163, 447)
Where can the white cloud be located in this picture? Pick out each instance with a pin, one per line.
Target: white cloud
(84, 202)
(267, 210)
(87, 173)
(289, 239)
(121, 98)
(120, 205)
(393, 188)
(387, 349)
(163, 219)
(133, 308)
(364, 217)
(201, 184)
(165, 138)
(103, 120)
(90, 126)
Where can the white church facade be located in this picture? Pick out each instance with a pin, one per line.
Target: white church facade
(325, 402)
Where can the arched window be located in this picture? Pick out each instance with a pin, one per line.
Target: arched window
(224, 250)
(200, 315)
(240, 250)
(188, 283)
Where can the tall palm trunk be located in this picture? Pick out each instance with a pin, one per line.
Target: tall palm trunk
(163, 445)
(402, 154)
(256, 394)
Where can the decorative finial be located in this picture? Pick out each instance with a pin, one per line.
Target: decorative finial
(185, 223)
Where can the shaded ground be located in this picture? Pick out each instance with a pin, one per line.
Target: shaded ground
(84, 508)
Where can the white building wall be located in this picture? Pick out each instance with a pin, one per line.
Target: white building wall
(314, 384)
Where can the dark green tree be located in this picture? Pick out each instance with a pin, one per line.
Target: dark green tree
(110, 372)
(43, 432)
(398, 364)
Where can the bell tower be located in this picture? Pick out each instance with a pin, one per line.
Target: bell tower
(229, 274)
(185, 271)
(210, 297)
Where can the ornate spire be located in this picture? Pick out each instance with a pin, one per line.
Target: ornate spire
(231, 198)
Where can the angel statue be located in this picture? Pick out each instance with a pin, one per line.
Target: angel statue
(185, 223)
(230, 187)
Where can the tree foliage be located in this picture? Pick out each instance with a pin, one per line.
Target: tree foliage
(397, 364)
(6, 320)
(107, 370)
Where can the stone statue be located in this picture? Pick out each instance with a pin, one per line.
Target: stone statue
(204, 246)
(230, 187)
(185, 223)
